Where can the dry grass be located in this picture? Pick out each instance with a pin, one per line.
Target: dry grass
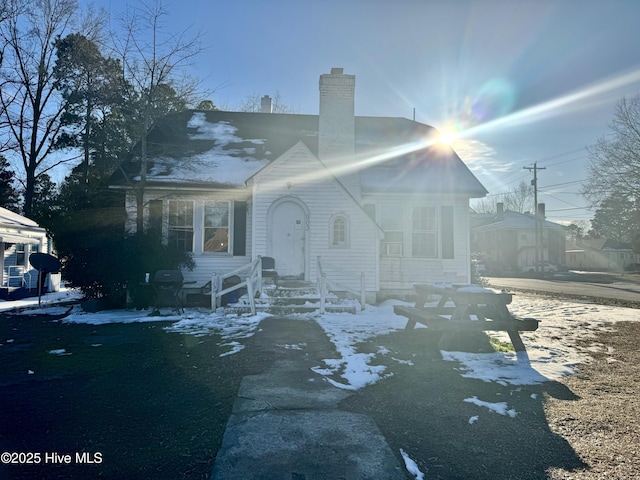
(603, 425)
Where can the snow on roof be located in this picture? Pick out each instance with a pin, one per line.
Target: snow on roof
(9, 218)
(222, 164)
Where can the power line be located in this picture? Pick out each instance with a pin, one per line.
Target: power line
(561, 184)
(588, 207)
(563, 201)
(567, 161)
(541, 160)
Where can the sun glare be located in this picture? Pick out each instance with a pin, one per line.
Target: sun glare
(447, 138)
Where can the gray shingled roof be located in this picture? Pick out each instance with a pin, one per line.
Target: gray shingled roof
(217, 149)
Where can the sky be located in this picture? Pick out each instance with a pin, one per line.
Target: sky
(519, 81)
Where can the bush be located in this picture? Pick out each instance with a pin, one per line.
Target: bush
(476, 277)
(109, 267)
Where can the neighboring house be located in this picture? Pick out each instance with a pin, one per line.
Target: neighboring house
(19, 238)
(377, 199)
(506, 241)
(601, 254)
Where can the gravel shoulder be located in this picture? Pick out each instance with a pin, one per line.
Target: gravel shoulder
(603, 423)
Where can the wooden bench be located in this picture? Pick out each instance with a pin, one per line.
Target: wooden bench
(473, 309)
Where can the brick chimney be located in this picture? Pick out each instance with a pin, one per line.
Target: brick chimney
(266, 104)
(336, 126)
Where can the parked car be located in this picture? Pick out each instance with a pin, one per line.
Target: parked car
(545, 267)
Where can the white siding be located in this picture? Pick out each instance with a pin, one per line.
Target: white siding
(398, 274)
(299, 175)
(207, 264)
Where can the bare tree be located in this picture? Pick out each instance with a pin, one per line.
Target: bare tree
(153, 60)
(614, 162)
(29, 102)
(520, 198)
(517, 200)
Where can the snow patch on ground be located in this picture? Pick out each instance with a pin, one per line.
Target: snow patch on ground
(553, 349)
(411, 466)
(345, 331)
(498, 407)
(500, 367)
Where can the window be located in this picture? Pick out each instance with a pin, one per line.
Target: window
(339, 232)
(391, 222)
(216, 227)
(21, 255)
(181, 224)
(424, 232)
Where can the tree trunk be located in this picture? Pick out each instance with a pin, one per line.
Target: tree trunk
(29, 190)
(141, 185)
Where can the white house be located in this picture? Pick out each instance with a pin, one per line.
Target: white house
(601, 254)
(19, 238)
(374, 197)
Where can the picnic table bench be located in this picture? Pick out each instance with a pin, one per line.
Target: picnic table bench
(466, 308)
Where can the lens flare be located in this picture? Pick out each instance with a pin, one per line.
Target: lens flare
(447, 137)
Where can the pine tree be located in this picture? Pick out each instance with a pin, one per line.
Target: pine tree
(9, 196)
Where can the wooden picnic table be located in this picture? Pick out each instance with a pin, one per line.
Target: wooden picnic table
(465, 308)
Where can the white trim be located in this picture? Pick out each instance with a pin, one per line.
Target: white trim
(272, 208)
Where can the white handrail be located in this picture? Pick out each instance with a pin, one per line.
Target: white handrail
(253, 282)
(321, 286)
(15, 274)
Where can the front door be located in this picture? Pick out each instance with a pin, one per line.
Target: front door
(288, 238)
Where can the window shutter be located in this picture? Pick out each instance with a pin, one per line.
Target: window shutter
(239, 228)
(155, 217)
(446, 232)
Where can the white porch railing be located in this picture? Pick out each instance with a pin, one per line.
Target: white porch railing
(253, 282)
(321, 284)
(14, 276)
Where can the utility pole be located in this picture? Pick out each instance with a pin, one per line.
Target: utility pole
(538, 221)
